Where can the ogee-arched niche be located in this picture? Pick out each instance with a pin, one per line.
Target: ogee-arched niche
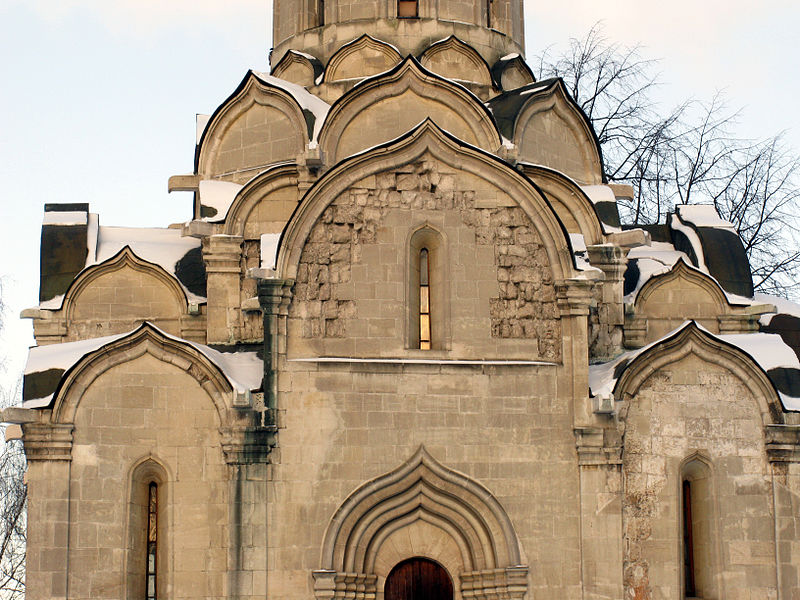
(421, 508)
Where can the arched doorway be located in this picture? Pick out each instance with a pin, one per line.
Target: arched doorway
(418, 579)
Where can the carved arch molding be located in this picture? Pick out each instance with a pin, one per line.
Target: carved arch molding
(422, 508)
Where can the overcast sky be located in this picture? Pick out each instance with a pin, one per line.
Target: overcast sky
(99, 96)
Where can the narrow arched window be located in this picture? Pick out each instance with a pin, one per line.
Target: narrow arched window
(151, 560)
(427, 295)
(698, 530)
(689, 584)
(320, 13)
(489, 14)
(407, 9)
(424, 301)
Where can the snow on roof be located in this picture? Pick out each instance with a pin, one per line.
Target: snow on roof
(71, 217)
(703, 215)
(656, 259)
(783, 306)
(243, 370)
(307, 101)
(163, 247)
(599, 193)
(767, 350)
(581, 259)
(218, 195)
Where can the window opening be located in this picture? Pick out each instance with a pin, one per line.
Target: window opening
(152, 542)
(424, 301)
(488, 14)
(688, 541)
(321, 12)
(407, 9)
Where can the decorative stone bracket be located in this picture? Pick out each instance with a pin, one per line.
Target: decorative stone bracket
(783, 443)
(45, 441)
(593, 448)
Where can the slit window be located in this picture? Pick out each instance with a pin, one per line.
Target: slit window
(152, 543)
(407, 9)
(690, 589)
(489, 14)
(320, 12)
(424, 301)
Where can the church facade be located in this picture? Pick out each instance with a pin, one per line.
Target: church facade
(405, 348)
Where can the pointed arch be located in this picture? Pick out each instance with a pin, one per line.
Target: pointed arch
(147, 339)
(273, 192)
(692, 340)
(362, 57)
(455, 59)
(144, 472)
(124, 259)
(259, 124)
(682, 271)
(420, 489)
(573, 206)
(552, 130)
(398, 101)
(298, 68)
(684, 292)
(426, 138)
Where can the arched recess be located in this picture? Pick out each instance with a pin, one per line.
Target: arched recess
(570, 202)
(422, 498)
(147, 339)
(363, 57)
(552, 130)
(692, 340)
(145, 471)
(298, 68)
(454, 59)
(701, 562)
(684, 292)
(432, 240)
(426, 138)
(265, 204)
(389, 105)
(165, 301)
(258, 125)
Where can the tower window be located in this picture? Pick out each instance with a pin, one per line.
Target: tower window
(320, 13)
(407, 9)
(152, 543)
(489, 14)
(424, 301)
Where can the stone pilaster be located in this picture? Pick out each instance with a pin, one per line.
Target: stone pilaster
(600, 471)
(573, 298)
(48, 450)
(222, 255)
(607, 325)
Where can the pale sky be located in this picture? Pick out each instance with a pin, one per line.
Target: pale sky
(99, 96)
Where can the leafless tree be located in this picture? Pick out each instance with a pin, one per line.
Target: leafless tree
(687, 154)
(13, 504)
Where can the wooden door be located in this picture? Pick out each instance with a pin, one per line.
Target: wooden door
(418, 579)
